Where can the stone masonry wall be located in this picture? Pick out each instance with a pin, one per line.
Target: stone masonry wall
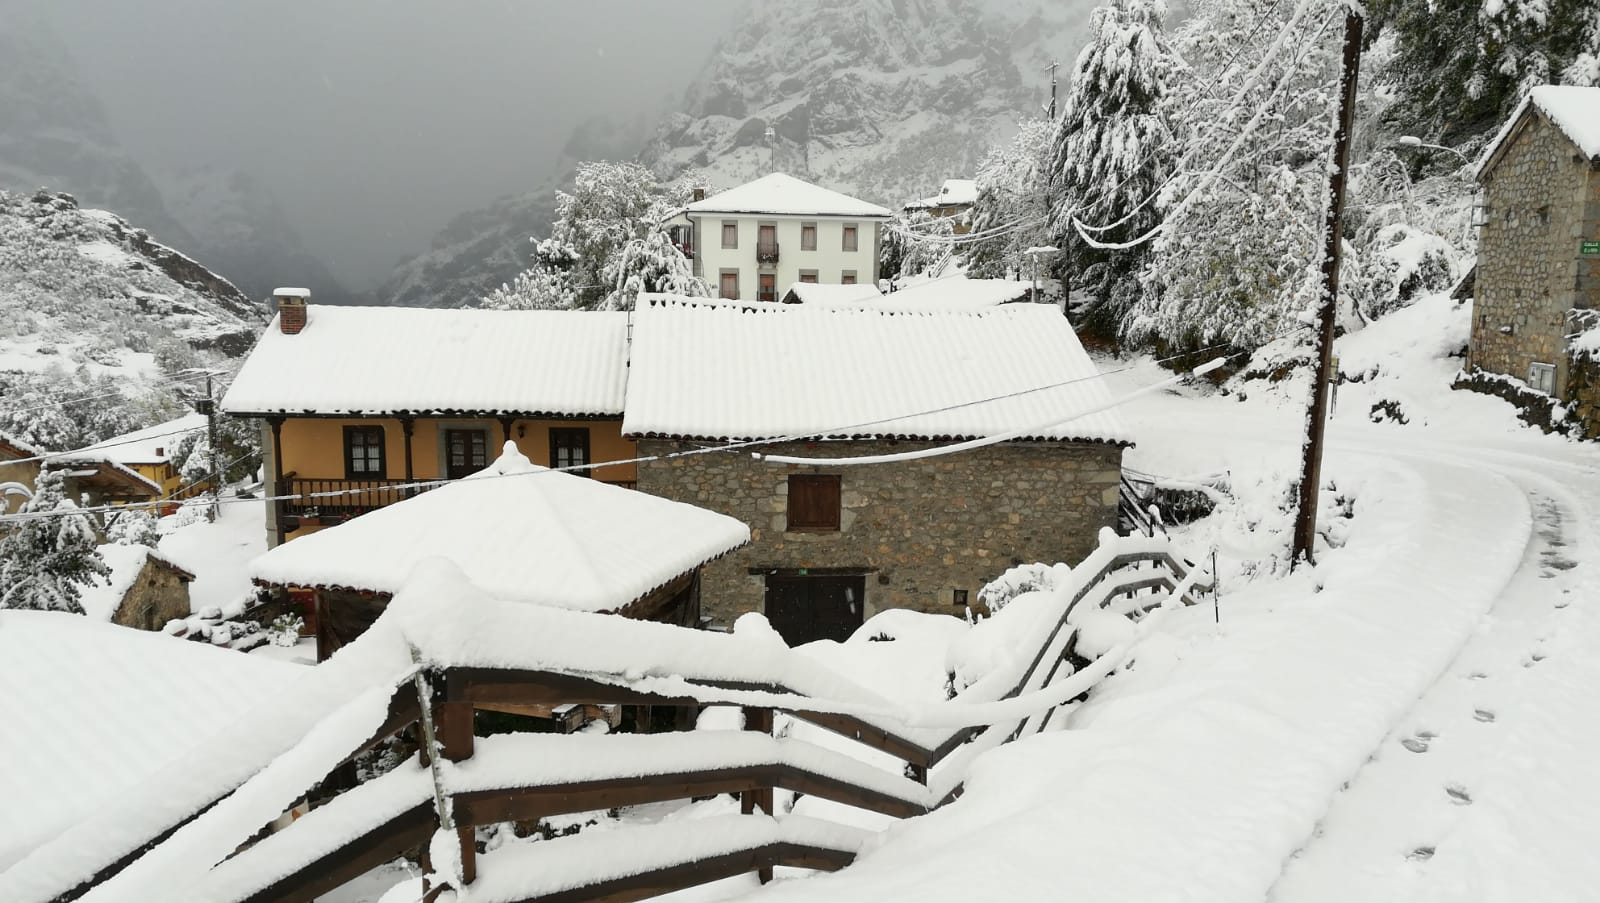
(1543, 201)
(157, 596)
(919, 529)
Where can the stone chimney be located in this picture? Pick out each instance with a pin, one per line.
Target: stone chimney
(699, 192)
(291, 303)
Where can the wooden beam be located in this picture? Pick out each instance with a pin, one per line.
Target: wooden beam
(692, 874)
(401, 834)
(483, 807)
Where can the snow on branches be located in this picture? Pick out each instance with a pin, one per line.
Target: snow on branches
(44, 561)
(606, 245)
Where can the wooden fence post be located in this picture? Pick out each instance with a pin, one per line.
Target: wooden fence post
(454, 728)
(758, 719)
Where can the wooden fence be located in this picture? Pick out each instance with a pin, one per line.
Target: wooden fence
(518, 778)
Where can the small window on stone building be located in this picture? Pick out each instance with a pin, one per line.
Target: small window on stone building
(813, 502)
(959, 598)
(1542, 378)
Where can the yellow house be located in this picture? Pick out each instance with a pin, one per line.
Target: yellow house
(360, 403)
(88, 478)
(149, 453)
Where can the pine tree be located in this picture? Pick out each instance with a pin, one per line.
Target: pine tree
(1110, 157)
(45, 560)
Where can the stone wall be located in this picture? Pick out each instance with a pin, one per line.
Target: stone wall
(157, 596)
(920, 529)
(1542, 202)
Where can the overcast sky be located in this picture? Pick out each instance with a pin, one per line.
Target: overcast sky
(375, 121)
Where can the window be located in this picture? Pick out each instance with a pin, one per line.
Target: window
(813, 502)
(730, 235)
(730, 285)
(850, 241)
(848, 277)
(767, 288)
(959, 598)
(808, 236)
(569, 447)
(808, 275)
(1542, 378)
(767, 243)
(363, 453)
(465, 452)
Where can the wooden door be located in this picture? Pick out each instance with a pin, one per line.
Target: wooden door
(465, 452)
(806, 608)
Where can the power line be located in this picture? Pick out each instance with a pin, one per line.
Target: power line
(87, 454)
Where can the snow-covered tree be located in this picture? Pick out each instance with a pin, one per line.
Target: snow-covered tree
(606, 245)
(1110, 158)
(1237, 258)
(44, 561)
(133, 527)
(1011, 213)
(1462, 66)
(916, 242)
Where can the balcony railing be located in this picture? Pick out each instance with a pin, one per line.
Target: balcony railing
(340, 499)
(767, 252)
(686, 249)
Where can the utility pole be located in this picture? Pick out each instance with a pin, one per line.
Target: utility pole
(1052, 70)
(208, 407)
(1305, 527)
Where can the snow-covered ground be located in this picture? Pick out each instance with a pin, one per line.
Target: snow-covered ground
(219, 553)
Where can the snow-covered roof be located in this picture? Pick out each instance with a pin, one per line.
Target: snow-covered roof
(16, 448)
(387, 360)
(521, 532)
(956, 293)
(152, 445)
(784, 195)
(1573, 110)
(716, 371)
(102, 595)
(954, 193)
(831, 295)
(99, 709)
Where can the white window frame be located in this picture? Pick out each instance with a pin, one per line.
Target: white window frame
(1542, 377)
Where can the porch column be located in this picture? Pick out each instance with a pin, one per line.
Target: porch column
(407, 426)
(505, 431)
(275, 513)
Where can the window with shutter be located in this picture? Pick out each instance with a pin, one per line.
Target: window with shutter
(730, 285)
(850, 241)
(730, 235)
(813, 502)
(808, 237)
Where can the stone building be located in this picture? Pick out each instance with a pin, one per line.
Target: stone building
(1538, 267)
(834, 543)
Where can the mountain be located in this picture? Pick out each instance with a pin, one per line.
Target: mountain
(241, 230)
(883, 99)
(56, 133)
(82, 288)
(482, 249)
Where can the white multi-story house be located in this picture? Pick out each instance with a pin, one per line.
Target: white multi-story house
(755, 241)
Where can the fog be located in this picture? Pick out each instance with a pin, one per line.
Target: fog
(374, 121)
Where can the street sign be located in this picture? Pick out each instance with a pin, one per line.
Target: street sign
(1589, 247)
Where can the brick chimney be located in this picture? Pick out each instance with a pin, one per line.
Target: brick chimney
(291, 304)
(699, 192)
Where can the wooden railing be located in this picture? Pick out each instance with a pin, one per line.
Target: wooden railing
(338, 500)
(503, 778)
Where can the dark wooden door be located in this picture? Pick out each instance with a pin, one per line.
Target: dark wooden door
(465, 452)
(809, 608)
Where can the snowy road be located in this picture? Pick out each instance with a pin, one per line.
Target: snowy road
(1485, 791)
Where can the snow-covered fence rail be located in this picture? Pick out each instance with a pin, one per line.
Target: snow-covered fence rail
(482, 654)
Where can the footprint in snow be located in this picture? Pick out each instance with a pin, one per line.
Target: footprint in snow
(1458, 795)
(1421, 854)
(1483, 715)
(1415, 744)
(1533, 659)
(1477, 675)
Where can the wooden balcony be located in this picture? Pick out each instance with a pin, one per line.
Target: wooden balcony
(332, 501)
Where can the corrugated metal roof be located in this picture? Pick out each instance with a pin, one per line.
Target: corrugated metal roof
(384, 360)
(723, 371)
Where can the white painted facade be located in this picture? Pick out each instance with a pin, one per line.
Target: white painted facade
(784, 208)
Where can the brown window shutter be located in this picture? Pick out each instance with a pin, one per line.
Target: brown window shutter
(814, 502)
